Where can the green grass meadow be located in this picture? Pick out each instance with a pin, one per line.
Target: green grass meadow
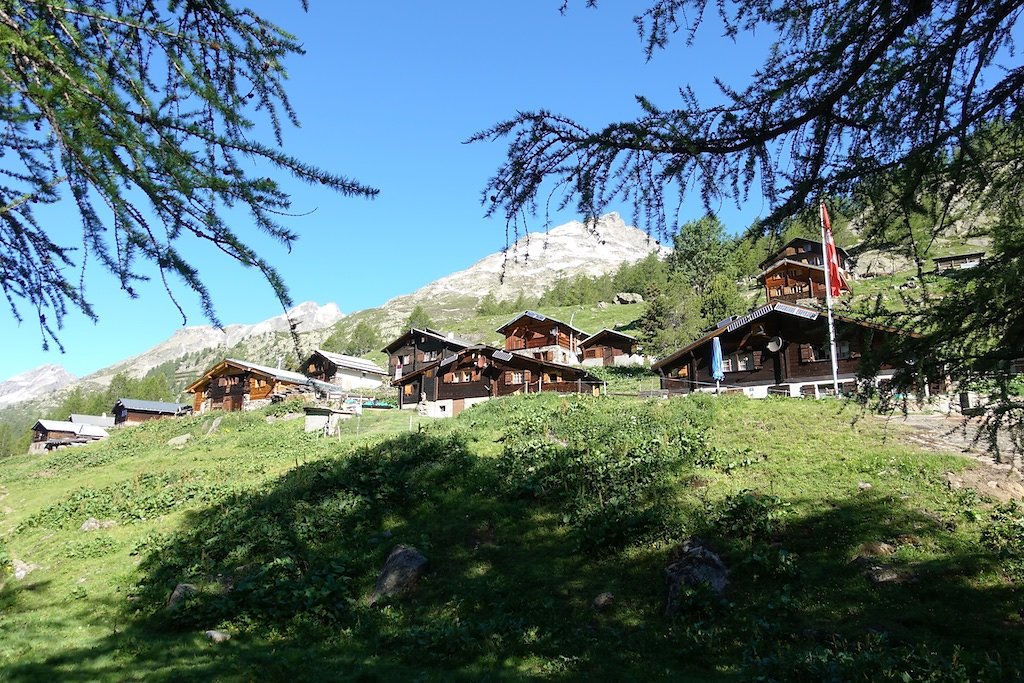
(527, 509)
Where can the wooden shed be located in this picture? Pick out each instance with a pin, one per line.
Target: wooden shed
(610, 348)
(538, 336)
(50, 434)
(777, 349)
(794, 281)
(346, 372)
(448, 386)
(418, 348)
(130, 411)
(803, 250)
(236, 384)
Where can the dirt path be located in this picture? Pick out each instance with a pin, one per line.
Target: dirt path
(943, 434)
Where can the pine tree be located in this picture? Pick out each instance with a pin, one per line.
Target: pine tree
(907, 112)
(141, 113)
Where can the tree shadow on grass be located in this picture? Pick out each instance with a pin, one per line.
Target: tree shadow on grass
(287, 571)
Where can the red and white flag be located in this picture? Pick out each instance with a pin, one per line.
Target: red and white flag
(836, 283)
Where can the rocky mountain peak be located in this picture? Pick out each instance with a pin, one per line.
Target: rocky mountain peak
(536, 260)
(45, 379)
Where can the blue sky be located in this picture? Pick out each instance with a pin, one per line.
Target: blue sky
(387, 93)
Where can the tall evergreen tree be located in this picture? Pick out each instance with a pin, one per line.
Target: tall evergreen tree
(419, 319)
(141, 112)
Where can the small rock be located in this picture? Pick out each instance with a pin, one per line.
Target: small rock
(23, 569)
(217, 636)
(179, 441)
(603, 601)
(881, 574)
(403, 568)
(863, 485)
(602, 305)
(93, 524)
(387, 533)
(954, 481)
(214, 426)
(875, 549)
(180, 592)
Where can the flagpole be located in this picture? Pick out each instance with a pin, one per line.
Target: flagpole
(828, 302)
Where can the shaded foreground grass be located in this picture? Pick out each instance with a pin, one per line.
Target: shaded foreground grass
(527, 509)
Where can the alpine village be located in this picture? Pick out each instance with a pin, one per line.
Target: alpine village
(604, 365)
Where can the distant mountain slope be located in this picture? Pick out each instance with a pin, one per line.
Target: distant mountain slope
(532, 264)
(266, 340)
(35, 383)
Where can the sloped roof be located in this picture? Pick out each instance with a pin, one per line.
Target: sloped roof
(98, 420)
(503, 357)
(733, 324)
(798, 240)
(75, 428)
(541, 318)
(426, 331)
(142, 406)
(276, 373)
(352, 362)
(606, 332)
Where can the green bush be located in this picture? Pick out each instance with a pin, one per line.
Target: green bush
(1004, 534)
(607, 468)
(751, 515)
(5, 562)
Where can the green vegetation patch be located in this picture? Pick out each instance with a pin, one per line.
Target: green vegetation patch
(848, 557)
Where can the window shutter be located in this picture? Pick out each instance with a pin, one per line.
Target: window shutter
(806, 353)
(758, 355)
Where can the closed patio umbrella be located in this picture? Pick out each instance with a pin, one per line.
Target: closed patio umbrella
(716, 362)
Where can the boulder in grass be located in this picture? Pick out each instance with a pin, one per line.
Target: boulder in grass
(403, 568)
(179, 594)
(696, 566)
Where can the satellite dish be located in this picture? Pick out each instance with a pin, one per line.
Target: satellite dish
(775, 344)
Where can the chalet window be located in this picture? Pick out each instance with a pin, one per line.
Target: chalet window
(405, 359)
(552, 377)
(515, 377)
(467, 376)
(430, 356)
(737, 362)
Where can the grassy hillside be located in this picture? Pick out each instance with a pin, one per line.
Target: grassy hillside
(527, 508)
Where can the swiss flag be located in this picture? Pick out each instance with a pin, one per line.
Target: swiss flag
(835, 276)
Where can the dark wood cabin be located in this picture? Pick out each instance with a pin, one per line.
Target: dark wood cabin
(50, 434)
(536, 335)
(418, 348)
(240, 385)
(777, 349)
(346, 372)
(945, 264)
(610, 348)
(130, 411)
(478, 373)
(792, 281)
(803, 250)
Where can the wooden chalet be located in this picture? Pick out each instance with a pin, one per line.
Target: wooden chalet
(780, 348)
(418, 348)
(802, 250)
(50, 434)
(794, 281)
(610, 348)
(346, 372)
(446, 387)
(130, 411)
(538, 336)
(240, 385)
(946, 264)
